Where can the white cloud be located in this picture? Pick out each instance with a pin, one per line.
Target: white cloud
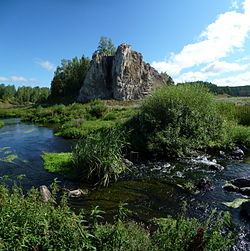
(210, 70)
(227, 33)
(17, 79)
(237, 80)
(222, 67)
(235, 4)
(47, 65)
(191, 77)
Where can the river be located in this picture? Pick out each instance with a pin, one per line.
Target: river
(22, 144)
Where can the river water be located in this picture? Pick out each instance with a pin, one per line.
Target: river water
(21, 147)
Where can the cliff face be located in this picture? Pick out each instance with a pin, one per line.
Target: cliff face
(123, 76)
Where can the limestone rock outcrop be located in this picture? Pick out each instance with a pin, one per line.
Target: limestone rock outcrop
(124, 76)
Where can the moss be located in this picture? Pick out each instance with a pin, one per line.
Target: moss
(30, 131)
(9, 158)
(7, 152)
(58, 162)
(236, 203)
(4, 148)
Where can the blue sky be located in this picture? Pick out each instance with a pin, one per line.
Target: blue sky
(189, 39)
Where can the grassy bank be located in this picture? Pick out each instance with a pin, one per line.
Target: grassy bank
(28, 223)
(175, 121)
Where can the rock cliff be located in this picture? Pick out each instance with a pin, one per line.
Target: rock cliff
(124, 76)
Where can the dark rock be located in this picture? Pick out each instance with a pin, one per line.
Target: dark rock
(222, 155)
(124, 76)
(244, 148)
(245, 209)
(241, 182)
(237, 153)
(204, 184)
(245, 191)
(231, 188)
(216, 167)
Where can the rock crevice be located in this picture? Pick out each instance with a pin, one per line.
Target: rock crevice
(124, 76)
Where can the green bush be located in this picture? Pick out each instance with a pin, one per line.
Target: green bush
(176, 121)
(96, 108)
(1, 123)
(179, 234)
(98, 156)
(28, 223)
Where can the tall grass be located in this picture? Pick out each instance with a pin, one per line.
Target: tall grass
(98, 157)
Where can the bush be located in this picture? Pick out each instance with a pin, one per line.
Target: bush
(97, 108)
(178, 120)
(189, 234)
(1, 123)
(28, 223)
(98, 156)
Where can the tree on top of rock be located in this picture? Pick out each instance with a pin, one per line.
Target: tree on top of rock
(106, 46)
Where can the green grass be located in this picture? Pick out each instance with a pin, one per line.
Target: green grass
(78, 128)
(28, 223)
(58, 162)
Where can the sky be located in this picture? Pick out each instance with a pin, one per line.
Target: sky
(191, 40)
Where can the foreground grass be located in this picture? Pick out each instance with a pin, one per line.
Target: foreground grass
(28, 223)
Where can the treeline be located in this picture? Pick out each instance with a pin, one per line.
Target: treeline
(24, 94)
(241, 91)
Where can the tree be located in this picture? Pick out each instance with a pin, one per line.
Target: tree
(8, 92)
(69, 77)
(106, 46)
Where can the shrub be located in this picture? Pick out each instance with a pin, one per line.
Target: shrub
(177, 120)
(27, 223)
(98, 156)
(1, 123)
(96, 108)
(189, 234)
